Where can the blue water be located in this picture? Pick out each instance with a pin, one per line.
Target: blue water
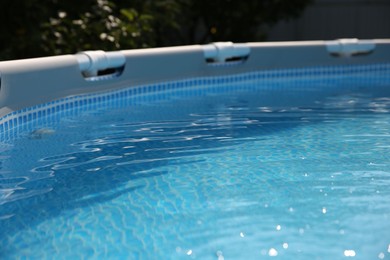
(248, 174)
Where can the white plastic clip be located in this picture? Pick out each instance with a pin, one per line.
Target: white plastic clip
(221, 51)
(350, 47)
(91, 62)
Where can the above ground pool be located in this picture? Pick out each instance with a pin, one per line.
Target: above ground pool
(221, 151)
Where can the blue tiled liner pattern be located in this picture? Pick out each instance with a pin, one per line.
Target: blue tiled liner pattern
(42, 115)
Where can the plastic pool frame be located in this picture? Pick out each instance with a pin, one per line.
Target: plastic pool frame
(29, 82)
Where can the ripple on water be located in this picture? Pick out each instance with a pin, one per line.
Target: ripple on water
(200, 179)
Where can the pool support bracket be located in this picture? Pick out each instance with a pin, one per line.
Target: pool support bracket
(96, 63)
(224, 51)
(350, 47)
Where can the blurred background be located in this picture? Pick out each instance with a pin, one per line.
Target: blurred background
(33, 28)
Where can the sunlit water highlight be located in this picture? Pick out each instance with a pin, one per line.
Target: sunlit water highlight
(240, 176)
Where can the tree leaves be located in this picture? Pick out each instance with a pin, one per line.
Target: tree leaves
(31, 28)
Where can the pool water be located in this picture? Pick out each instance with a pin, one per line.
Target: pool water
(248, 173)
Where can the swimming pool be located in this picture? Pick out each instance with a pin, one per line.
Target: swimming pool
(227, 163)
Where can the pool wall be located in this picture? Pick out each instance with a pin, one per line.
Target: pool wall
(26, 83)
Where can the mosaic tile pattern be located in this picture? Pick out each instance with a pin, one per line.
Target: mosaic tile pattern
(203, 177)
(17, 121)
(238, 175)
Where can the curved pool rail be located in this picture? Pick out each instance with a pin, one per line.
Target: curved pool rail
(30, 82)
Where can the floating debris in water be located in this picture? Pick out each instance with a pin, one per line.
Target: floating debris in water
(41, 133)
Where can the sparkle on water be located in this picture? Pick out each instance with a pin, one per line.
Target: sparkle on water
(243, 175)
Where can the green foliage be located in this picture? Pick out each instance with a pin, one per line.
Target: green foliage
(31, 28)
(103, 26)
